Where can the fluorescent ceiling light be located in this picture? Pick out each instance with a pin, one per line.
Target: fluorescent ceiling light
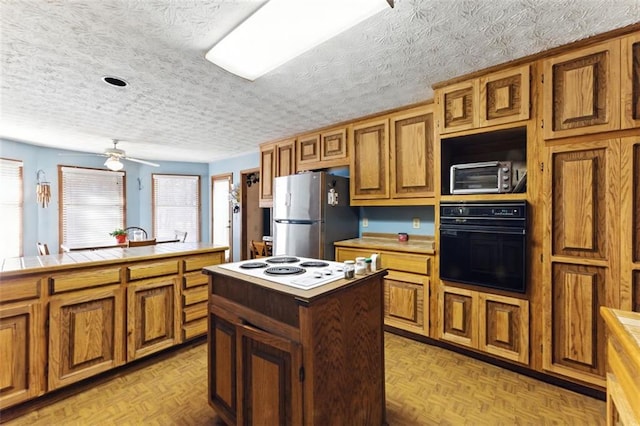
(283, 29)
(114, 164)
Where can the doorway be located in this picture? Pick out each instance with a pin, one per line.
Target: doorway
(253, 223)
(221, 231)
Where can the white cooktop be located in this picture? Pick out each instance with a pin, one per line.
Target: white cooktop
(311, 272)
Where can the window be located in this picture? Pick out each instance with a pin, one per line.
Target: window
(11, 206)
(92, 204)
(176, 206)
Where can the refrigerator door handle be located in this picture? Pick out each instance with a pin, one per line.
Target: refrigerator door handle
(296, 222)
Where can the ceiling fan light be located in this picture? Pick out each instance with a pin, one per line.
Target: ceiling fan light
(283, 29)
(114, 164)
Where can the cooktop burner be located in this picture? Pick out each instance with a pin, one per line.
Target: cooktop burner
(314, 264)
(283, 259)
(284, 270)
(253, 265)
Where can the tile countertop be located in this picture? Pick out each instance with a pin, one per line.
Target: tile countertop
(371, 241)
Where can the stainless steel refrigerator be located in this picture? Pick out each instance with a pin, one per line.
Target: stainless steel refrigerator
(310, 212)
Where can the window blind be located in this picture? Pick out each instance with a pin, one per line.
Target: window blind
(92, 204)
(176, 206)
(11, 207)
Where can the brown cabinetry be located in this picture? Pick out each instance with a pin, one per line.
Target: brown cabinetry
(268, 357)
(276, 159)
(392, 159)
(630, 83)
(406, 287)
(497, 98)
(86, 334)
(21, 342)
(495, 324)
(630, 224)
(582, 252)
(322, 150)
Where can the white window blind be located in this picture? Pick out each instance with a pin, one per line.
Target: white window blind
(92, 204)
(11, 206)
(176, 206)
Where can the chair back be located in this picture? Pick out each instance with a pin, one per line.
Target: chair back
(181, 235)
(258, 249)
(43, 250)
(142, 243)
(130, 232)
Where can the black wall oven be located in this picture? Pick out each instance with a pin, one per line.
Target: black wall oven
(484, 244)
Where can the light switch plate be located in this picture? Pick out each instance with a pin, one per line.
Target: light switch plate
(365, 222)
(416, 223)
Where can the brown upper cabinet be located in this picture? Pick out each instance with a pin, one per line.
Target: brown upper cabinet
(276, 159)
(392, 159)
(582, 91)
(595, 89)
(631, 81)
(322, 150)
(497, 98)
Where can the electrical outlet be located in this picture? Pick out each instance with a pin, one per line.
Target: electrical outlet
(416, 223)
(365, 222)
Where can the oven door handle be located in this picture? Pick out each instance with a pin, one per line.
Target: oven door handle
(454, 230)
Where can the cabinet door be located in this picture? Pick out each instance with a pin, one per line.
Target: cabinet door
(582, 91)
(458, 107)
(630, 84)
(412, 144)
(582, 271)
(152, 317)
(370, 160)
(504, 97)
(458, 316)
(86, 332)
(269, 377)
(406, 302)
(267, 173)
(630, 224)
(333, 147)
(308, 150)
(222, 366)
(504, 327)
(286, 158)
(22, 352)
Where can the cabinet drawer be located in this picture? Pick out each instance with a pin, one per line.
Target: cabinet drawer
(83, 279)
(147, 270)
(194, 329)
(194, 295)
(194, 312)
(416, 263)
(19, 289)
(199, 262)
(194, 279)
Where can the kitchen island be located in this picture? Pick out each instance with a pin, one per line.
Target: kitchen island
(285, 355)
(69, 316)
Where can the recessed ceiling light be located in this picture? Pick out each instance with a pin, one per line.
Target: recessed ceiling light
(114, 81)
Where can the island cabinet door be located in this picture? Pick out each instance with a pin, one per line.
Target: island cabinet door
(222, 365)
(21, 370)
(86, 332)
(269, 377)
(153, 317)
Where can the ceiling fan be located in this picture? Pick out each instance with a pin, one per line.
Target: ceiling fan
(114, 155)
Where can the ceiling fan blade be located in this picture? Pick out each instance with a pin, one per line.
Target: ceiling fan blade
(135, 160)
(88, 154)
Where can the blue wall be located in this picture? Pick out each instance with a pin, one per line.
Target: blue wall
(42, 224)
(235, 166)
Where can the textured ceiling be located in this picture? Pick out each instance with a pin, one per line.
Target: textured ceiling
(178, 106)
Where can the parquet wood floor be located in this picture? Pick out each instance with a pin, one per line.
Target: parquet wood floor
(425, 385)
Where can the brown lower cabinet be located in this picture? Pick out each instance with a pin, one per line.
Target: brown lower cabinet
(279, 355)
(67, 322)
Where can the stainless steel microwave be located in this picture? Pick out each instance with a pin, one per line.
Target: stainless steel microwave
(489, 177)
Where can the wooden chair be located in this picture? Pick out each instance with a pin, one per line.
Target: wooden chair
(180, 235)
(142, 243)
(258, 249)
(43, 250)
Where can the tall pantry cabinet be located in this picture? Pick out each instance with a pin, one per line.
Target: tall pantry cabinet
(591, 255)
